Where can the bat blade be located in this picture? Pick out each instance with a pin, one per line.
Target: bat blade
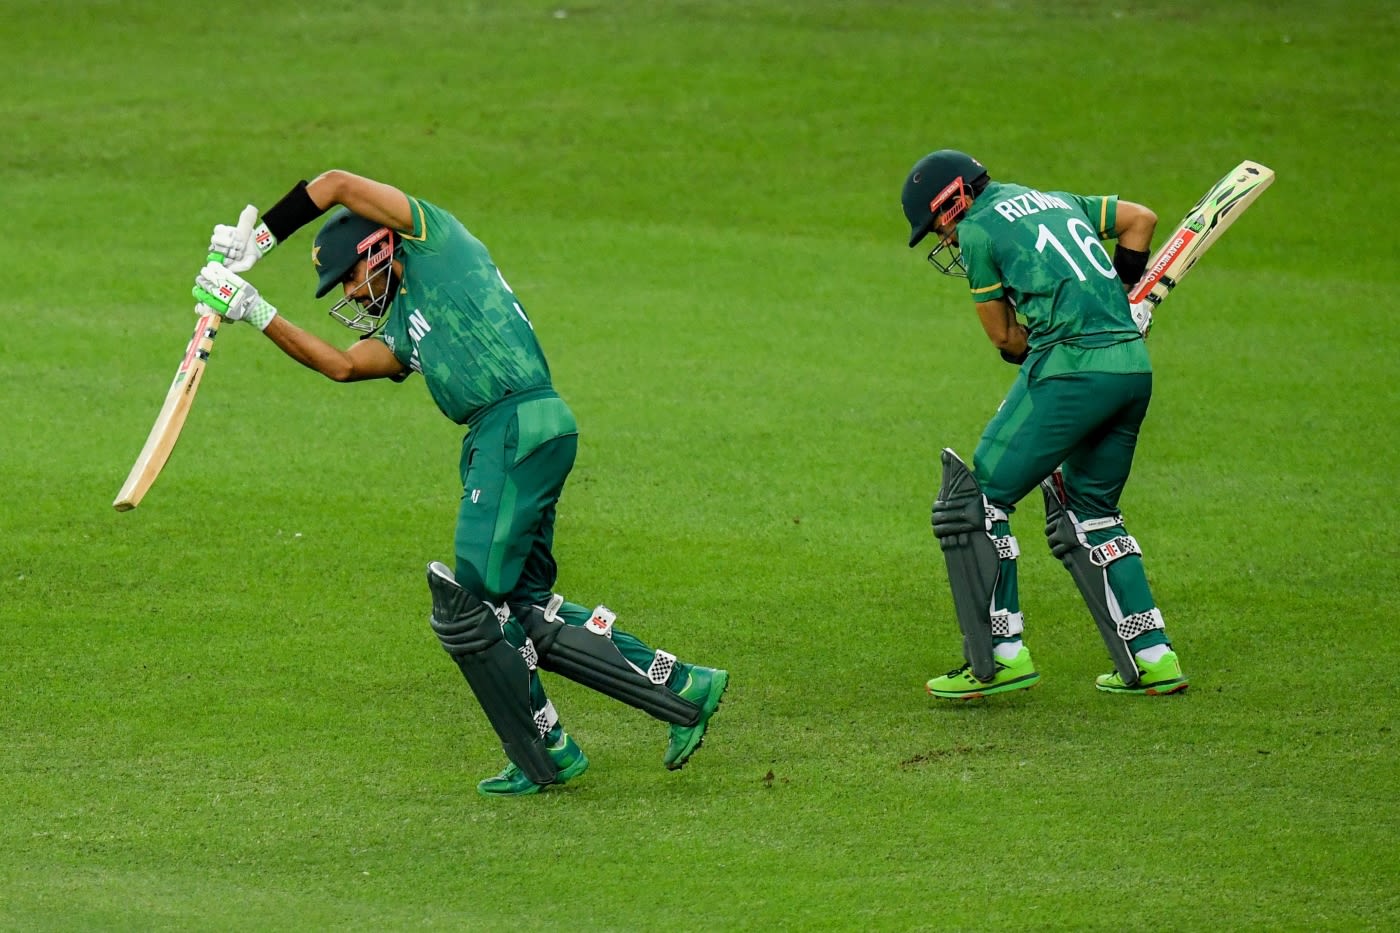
(1211, 216)
(166, 431)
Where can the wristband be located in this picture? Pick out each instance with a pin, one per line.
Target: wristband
(261, 314)
(287, 216)
(1015, 358)
(1130, 264)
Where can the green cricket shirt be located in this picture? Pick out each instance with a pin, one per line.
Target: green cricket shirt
(1042, 252)
(456, 321)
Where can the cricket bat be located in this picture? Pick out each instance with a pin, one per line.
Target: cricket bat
(178, 400)
(1199, 230)
(171, 419)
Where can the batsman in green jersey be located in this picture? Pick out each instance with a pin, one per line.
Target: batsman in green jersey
(426, 298)
(1069, 424)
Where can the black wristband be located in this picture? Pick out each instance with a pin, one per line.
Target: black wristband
(1015, 358)
(1129, 263)
(294, 211)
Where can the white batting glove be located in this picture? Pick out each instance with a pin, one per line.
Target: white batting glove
(242, 245)
(221, 290)
(1142, 316)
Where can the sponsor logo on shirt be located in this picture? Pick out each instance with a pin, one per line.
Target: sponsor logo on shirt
(418, 328)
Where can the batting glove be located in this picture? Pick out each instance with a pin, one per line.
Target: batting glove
(242, 245)
(221, 290)
(1142, 316)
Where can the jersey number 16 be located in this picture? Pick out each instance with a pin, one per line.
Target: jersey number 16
(1088, 241)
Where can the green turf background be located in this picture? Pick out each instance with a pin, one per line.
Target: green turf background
(225, 710)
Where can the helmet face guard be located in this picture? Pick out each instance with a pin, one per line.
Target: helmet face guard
(377, 250)
(948, 207)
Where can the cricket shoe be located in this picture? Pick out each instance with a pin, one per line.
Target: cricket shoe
(1016, 673)
(1155, 678)
(704, 686)
(512, 782)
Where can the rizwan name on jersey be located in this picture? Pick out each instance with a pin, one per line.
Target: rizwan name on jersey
(1023, 205)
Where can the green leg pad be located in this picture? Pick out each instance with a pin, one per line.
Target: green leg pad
(960, 523)
(1090, 578)
(471, 633)
(590, 658)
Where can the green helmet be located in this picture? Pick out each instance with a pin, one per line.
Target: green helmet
(932, 181)
(344, 240)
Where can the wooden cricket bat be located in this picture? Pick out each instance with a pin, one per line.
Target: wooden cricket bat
(171, 419)
(1200, 228)
(166, 431)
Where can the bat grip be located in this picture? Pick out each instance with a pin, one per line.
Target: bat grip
(219, 258)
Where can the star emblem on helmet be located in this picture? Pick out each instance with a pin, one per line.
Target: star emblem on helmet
(316, 256)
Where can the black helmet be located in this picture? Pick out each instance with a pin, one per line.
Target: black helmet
(932, 182)
(344, 240)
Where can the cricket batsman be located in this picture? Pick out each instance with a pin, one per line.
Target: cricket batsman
(425, 297)
(1069, 423)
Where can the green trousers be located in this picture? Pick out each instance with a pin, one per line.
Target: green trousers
(1087, 424)
(515, 461)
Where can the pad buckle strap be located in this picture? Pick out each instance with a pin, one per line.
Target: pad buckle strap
(994, 514)
(531, 656)
(661, 667)
(551, 608)
(1120, 547)
(1099, 524)
(545, 719)
(1007, 548)
(601, 622)
(1134, 624)
(1006, 624)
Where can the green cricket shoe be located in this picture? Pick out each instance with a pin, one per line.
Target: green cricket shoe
(512, 782)
(704, 686)
(1018, 673)
(1155, 679)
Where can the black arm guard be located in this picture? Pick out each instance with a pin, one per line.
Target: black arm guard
(294, 211)
(1130, 264)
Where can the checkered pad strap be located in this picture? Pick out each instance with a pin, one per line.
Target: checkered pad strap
(1006, 624)
(661, 667)
(1131, 626)
(1007, 548)
(531, 656)
(546, 718)
(1120, 547)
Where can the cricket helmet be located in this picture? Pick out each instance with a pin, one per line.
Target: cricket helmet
(344, 240)
(936, 188)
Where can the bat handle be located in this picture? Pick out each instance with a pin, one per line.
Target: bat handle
(219, 258)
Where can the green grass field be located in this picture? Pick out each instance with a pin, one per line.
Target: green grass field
(226, 711)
